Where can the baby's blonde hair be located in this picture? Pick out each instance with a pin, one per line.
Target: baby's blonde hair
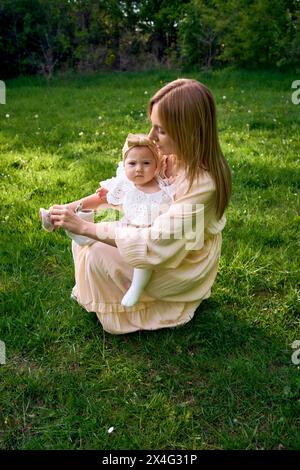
(187, 111)
(141, 140)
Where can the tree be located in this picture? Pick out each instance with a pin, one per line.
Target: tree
(255, 32)
(44, 36)
(243, 32)
(160, 20)
(198, 33)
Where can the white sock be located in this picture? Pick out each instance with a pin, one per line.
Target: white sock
(140, 279)
(80, 239)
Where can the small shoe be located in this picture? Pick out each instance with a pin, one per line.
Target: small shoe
(46, 220)
(74, 293)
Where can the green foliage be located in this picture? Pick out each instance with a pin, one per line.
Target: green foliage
(242, 32)
(198, 34)
(33, 36)
(294, 53)
(44, 36)
(257, 33)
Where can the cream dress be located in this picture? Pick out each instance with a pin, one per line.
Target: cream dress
(181, 277)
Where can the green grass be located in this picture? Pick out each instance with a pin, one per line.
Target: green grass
(225, 380)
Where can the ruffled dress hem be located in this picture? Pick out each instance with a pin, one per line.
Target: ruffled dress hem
(117, 319)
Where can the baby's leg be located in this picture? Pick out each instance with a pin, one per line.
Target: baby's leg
(140, 279)
(80, 239)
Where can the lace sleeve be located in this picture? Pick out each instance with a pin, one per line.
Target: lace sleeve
(117, 194)
(111, 183)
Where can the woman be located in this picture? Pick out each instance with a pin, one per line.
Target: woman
(183, 116)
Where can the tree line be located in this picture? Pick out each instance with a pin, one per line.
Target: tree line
(45, 36)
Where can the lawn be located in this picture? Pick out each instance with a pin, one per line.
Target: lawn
(226, 380)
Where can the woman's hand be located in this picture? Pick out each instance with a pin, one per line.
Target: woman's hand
(63, 216)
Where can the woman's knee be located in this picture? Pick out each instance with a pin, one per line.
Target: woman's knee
(97, 258)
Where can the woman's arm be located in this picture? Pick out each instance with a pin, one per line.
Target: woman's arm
(166, 243)
(174, 233)
(64, 216)
(103, 232)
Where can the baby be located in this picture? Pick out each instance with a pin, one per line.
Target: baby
(142, 194)
(138, 191)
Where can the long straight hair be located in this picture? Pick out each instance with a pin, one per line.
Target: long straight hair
(187, 111)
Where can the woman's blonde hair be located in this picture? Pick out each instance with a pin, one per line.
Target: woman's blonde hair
(187, 111)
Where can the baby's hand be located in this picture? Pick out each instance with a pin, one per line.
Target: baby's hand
(163, 167)
(171, 168)
(167, 168)
(101, 193)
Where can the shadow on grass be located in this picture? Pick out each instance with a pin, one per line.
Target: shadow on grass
(235, 378)
(216, 382)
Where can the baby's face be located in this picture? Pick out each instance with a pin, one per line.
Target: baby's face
(140, 165)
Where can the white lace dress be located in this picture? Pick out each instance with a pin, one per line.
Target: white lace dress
(140, 209)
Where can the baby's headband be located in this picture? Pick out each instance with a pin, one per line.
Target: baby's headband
(139, 140)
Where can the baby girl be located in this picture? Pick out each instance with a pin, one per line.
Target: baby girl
(138, 191)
